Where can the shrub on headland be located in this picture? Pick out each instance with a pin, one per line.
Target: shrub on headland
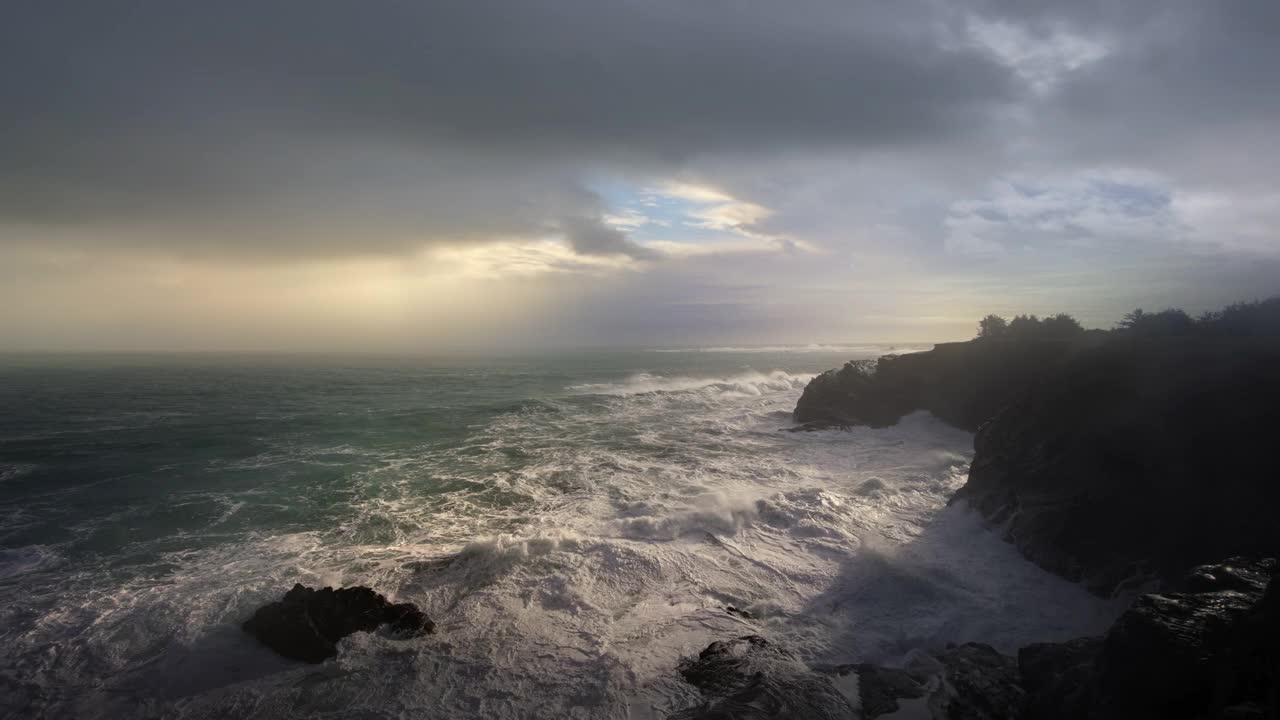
(1242, 319)
(1029, 327)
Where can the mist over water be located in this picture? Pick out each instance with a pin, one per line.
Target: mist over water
(573, 524)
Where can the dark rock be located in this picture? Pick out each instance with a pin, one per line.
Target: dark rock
(406, 620)
(1109, 458)
(880, 688)
(749, 678)
(966, 682)
(963, 384)
(1212, 652)
(1137, 459)
(1059, 678)
(744, 614)
(307, 623)
(982, 684)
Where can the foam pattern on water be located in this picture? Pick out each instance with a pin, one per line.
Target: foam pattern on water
(570, 549)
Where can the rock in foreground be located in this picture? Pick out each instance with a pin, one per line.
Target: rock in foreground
(749, 678)
(1210, 652)
(308, 623)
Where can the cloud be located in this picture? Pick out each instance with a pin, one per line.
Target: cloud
(520, 259)
(326, 127)
(1041, 59)
(594, 236)
(1102, 208)
(794, 166)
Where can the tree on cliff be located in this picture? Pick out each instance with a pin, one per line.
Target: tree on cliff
(1257, 318)
(1061, 325)
(1029, 327)
(992, 326)
(1166, 322)
(1024, 326)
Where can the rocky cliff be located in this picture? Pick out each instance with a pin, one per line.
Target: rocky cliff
(963, 384)
(1137, 459)
(1105, 458)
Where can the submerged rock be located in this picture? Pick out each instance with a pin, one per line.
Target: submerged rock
(750, 678)
(308, 623)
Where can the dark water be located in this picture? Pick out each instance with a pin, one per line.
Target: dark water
(574, 523)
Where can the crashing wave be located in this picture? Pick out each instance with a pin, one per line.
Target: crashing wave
(748, 383)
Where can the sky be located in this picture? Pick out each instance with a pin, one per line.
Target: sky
(430, 175)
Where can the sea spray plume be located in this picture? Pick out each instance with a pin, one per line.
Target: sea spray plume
(749, 383)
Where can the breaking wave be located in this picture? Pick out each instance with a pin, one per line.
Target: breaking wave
(571, 550)
(851, 350)
(746, 384)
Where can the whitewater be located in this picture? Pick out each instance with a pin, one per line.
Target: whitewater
(574, 525)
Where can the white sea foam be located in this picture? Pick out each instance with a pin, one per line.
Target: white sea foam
(580, 552)
(753, 384)
(853, 350)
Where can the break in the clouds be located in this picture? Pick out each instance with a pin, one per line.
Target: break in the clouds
(413, 174)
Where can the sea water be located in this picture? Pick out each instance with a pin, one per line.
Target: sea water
(574, 524)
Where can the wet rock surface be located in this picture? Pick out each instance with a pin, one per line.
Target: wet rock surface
(981, 684)
(881, 688)
(306, 624)
(1212, 651)
(750, 678)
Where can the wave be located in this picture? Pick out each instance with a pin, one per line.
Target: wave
(749, 383)
(570, 550)
(26, 559)
(12, 471)
(810, 348)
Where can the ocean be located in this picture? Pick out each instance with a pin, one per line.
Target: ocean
(574, 524)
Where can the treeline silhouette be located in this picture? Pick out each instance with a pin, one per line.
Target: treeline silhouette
(1242, 319)
(1029, 327)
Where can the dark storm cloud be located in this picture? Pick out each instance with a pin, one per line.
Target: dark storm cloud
(341, 127)
(591, 236)
(1184, 85)
(441, 118)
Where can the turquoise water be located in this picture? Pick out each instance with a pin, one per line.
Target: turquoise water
(573, 523)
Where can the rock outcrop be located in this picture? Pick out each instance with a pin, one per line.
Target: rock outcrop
(963, 384)
(1212, 651)
(1137, 460)
(308, 623)
(1105, 457)
(981, 684)
(750, 678)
